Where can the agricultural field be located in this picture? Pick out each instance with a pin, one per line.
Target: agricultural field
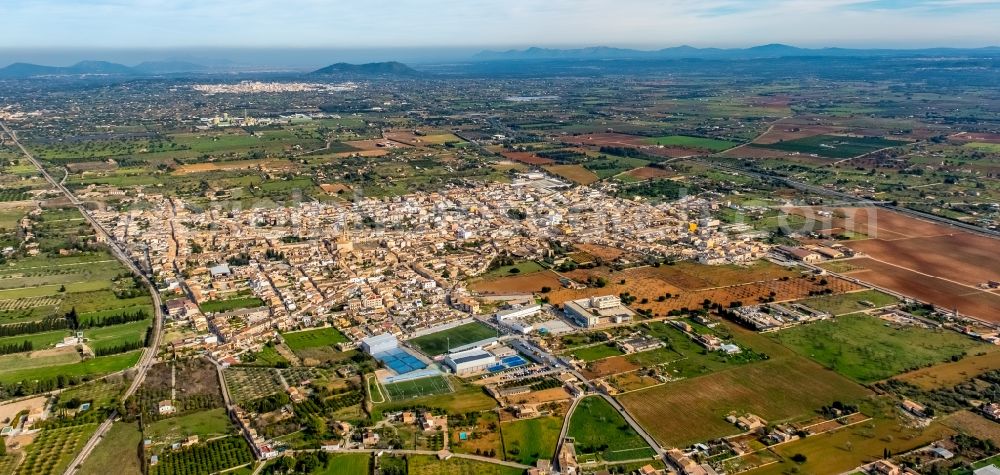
(682, 357)
(210, 456)
(248, 383)
(939, 291)
(118, 452)
(46, 370)
(72, 284)
(844, 449)
(100, 393)
(851, 302)
(213, 306)
(772, 389)
(700, 143)
(476, 433)
(54, 449)
(438, 343)
(206, 424)
(687, 285)
(414, 388)
(267, 356)
(429, 465)
(516, 284)
(949, 374)
(595, 352)
(574, 173)
(601, 432)
(529, 440)
(834, 146)
(315, 347)
(313, 338)
(522, 268)
(347, 464)
(868, 349)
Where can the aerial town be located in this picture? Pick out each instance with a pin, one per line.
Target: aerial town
(689, 261)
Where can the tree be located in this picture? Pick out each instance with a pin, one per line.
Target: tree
(799, 458)
(315, 425)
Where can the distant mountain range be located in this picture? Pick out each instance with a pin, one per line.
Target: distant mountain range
(389, 68)
(27, 70)
(151, 68)
(488, 62)
(689, 52)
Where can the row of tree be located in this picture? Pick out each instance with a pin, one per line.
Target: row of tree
(119, 348)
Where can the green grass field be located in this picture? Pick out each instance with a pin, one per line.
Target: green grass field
(533, 439)
(438, 343)
(40, 341)
(843, 304)
(205, 424)
(416, 388)
(117, 452)
(692, 142)
(91, 367)
(983, 147)
(693, 410)
(600, 431)
(867, 349)
(596, 352)
(313, 338)
(834, 146)
(213, 306)
(429, 465)
(465, 398)
(267, 356)
(116, 334)
(346, 464)
(849, 447)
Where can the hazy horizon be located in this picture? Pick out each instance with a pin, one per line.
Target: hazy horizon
(309, 57)
(468, 25)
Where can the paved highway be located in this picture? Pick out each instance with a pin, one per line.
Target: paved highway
(149, 353)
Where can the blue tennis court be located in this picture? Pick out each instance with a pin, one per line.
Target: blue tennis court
(513, 361)
(400, 361)
(508, 362)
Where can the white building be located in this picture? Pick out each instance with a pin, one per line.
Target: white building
(517, 312)
(470, 361)
(593, 311)
(379, 343)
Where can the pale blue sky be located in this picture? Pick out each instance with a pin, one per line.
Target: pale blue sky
(509, 23)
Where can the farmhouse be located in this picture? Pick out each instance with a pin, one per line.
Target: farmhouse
(166, 407)
(642, 343)
(470, 361)
(379, 343)
(804, 255)
(686, 465)
(594, 311)
(827, 252)
(914, 408)
(884, 467)
(992, 411)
